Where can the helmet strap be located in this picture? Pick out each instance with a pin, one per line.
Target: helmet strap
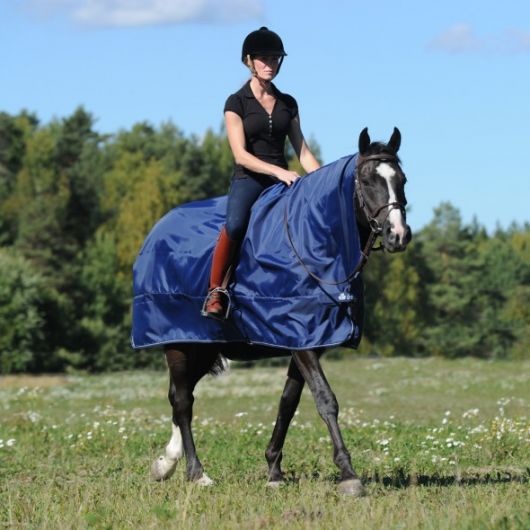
(250, 64)
(279, 65)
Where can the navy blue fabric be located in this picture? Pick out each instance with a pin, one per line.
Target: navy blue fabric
(275, 301)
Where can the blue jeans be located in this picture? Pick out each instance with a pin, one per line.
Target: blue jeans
(242, 195)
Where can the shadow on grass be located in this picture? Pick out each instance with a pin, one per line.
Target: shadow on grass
(468, 477)
(401, 479)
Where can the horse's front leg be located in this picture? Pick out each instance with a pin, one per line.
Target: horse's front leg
(185, 371)
(309, 365)
(288, 404)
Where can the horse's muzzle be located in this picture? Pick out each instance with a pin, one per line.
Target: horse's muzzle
(396, 240)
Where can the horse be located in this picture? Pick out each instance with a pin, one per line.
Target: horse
(379, 207)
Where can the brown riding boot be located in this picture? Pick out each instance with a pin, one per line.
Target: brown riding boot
(216, 303)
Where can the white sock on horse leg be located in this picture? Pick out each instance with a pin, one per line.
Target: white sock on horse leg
(174, 450)
(164, 466)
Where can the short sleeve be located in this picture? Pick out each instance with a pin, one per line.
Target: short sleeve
(233, 104)
(292, 105)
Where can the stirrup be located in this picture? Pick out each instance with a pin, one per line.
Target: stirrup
(227, 300)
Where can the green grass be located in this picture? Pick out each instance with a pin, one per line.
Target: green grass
(440, 444)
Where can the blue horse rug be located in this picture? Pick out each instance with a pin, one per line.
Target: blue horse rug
(275, 301)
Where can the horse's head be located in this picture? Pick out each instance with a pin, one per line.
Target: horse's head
(380, 191)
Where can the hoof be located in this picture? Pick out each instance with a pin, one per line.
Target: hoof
(162, 468)
(204, 481)
(275, 484)
(352, 487)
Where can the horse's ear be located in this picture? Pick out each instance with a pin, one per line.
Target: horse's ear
(395, 140)
(364, 141)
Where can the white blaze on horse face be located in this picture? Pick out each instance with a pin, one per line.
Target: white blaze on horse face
(395, 215)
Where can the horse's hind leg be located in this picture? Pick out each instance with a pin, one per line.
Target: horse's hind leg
(309, 365)
(288, 404)
(186, 367)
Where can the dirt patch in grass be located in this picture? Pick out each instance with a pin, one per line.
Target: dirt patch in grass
(32, 381)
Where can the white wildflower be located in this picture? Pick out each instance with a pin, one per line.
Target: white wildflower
(478, 429)
(33, 416)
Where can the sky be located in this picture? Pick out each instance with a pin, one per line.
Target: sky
(453, 76)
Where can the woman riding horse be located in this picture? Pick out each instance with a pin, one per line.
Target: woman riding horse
(258, 119)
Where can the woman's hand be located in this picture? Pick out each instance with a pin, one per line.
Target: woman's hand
(286, 176)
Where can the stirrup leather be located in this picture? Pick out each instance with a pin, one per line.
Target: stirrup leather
(226, 303)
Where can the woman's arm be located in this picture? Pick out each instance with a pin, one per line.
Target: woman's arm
(236, 138)
(304, 154)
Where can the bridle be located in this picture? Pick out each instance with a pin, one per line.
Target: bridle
(375, 227)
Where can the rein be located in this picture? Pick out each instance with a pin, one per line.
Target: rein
(375, 227)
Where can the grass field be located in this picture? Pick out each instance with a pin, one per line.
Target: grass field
(439, 444)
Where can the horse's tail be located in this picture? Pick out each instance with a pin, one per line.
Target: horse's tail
(219, 366)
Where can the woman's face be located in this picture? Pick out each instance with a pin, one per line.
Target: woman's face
(266, 66)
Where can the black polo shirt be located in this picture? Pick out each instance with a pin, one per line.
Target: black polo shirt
(264, 134)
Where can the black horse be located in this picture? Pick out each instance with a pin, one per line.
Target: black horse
(380, 210)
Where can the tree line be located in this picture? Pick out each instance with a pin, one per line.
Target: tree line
(75, 206)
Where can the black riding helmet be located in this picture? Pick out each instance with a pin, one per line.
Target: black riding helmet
(263, 42)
